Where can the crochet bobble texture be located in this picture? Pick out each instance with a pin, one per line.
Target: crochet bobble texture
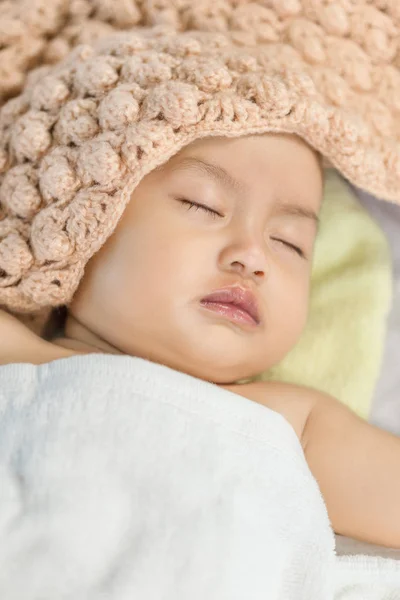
(84, 132)
(43, 31)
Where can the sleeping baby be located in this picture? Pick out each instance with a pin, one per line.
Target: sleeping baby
(169, 200)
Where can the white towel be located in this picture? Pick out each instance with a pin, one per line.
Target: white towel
(121, 478)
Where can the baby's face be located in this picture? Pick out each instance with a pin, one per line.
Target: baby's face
(141, 292)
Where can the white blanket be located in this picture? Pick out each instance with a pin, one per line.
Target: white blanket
(123, 479)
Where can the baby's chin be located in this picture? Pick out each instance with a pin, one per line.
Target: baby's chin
(217, 363)
(203, 368)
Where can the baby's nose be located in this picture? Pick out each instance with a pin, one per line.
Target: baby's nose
(249, 258)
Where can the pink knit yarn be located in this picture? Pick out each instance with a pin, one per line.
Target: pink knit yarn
(83, 132)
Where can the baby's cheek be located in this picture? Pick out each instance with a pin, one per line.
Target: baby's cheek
(301, 315)
(293, 307)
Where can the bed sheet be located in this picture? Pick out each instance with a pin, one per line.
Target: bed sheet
(385, 412)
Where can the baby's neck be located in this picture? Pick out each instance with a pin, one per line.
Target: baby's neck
(79, 338)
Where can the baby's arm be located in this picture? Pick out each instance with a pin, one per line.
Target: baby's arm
(357, 466)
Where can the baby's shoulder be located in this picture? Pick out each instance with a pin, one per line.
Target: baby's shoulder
(293, 402)
(18, 343)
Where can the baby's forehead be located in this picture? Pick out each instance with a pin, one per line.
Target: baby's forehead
(229, 147)
(207, 163)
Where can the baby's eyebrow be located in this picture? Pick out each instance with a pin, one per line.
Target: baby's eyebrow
(219, 174)
(286, 208)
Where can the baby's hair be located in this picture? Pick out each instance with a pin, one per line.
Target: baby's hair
(55, 324)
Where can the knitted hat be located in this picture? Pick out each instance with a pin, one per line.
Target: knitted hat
(84, 132)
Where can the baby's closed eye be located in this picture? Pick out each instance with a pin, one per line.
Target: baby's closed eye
(214, 214)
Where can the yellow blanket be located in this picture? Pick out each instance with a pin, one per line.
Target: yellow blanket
(341, 349)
